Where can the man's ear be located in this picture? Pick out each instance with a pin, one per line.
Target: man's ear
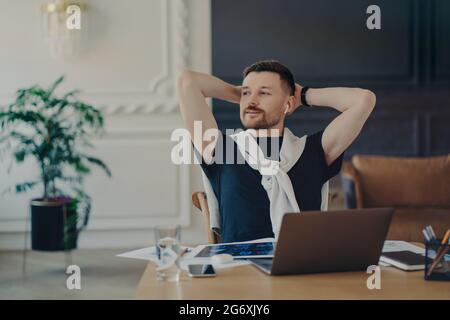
(290, 105)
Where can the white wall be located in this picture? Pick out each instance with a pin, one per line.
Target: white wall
(133, 51)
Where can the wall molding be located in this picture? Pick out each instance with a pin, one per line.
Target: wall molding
(132, 221)
(160, 98)
(175, 43)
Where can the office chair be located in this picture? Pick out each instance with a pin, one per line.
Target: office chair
(199, 201)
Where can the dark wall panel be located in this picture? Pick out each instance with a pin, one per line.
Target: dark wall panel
(441, 36)
(439, 128)
(326, 43)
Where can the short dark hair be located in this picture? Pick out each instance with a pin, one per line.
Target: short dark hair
(275, 66)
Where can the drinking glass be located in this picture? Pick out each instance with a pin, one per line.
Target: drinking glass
(167, 243)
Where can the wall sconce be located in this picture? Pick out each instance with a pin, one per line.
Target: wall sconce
(63, 23)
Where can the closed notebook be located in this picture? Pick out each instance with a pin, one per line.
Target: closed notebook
(405, 260)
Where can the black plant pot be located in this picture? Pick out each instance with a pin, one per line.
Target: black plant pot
(53, 224)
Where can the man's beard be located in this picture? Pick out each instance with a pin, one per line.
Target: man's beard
(262, 123)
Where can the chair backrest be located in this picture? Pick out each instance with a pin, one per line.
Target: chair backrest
(395, 181)
(200, 202)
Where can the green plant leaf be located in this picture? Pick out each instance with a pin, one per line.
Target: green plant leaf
(81, 168)
(57, 139)
(25, 186)
(54, 86)
(78, 179)
(20, 155)
(100, 164)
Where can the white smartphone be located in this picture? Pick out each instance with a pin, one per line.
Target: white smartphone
(201, 270)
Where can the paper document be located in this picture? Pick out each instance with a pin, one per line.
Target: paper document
(384, 264)
(149, 254)
(393, 246)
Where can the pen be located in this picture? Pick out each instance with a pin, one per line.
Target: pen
(425, 233)
(440, 253)
(438, 259)
(431, 232)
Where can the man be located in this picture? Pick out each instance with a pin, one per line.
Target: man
(268, 94)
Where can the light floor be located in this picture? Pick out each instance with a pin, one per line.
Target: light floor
(103, 276)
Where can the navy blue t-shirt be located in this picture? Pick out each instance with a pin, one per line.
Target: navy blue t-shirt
(243, 202)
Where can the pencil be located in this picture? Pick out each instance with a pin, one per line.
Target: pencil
(440, 253)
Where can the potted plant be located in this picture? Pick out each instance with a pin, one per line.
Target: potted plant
(55, 132)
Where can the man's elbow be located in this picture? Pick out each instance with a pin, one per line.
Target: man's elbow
(367, 99)
(185, 79)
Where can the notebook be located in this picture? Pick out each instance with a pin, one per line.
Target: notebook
(405, 260)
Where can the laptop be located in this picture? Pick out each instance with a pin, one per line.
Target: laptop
(331, 241)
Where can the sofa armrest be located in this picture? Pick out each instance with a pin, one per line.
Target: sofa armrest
(351, 183)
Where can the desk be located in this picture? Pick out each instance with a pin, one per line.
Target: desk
(247, 282)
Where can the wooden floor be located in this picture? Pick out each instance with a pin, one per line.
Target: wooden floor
(103, 276)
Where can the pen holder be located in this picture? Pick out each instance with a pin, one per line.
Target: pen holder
(437, 260)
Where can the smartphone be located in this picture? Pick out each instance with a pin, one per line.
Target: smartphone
(201, 270)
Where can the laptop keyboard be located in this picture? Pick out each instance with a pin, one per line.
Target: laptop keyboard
(265, 263)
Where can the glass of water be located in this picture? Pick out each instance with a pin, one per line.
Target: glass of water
(167, 243)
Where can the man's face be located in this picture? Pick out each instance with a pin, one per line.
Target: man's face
(263, 100)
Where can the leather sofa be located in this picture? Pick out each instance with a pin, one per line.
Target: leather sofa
(417, 188)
